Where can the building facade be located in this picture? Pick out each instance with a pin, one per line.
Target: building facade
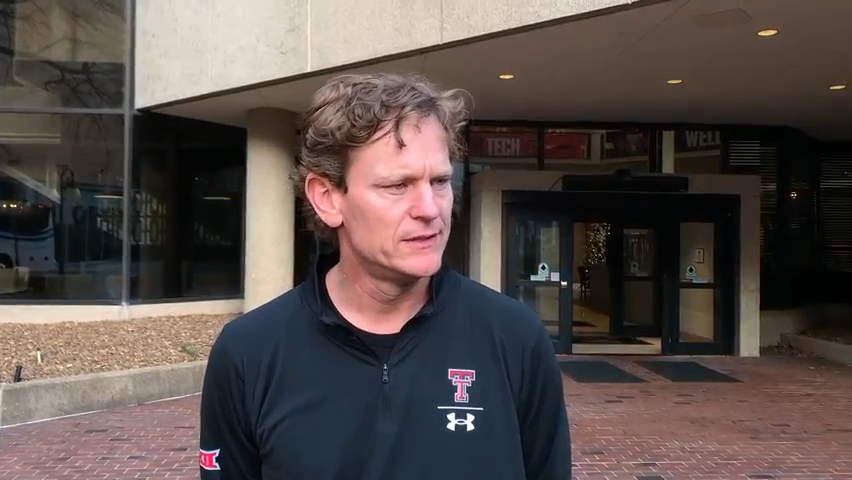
(145, 149)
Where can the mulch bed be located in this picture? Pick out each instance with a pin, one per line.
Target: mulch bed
(70, 348)
(834, 333)
(783, 350)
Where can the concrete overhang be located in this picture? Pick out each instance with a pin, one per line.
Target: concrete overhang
(615, 68)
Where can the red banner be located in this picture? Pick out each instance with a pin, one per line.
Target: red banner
(566, 145)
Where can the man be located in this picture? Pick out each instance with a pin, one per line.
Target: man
(384, 364)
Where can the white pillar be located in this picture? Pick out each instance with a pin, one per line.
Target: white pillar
(668, 151)
(270, 205)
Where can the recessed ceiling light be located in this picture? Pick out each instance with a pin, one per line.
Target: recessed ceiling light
(769, 32)
(506, 76)
(674, 81)
(839, 86)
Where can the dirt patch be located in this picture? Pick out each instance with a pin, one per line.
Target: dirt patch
(783, 350)
(70, 348)
(831, 333)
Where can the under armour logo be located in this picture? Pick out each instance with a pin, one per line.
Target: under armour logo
(467, 421)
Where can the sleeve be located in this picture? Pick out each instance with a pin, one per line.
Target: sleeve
(227, 450)
(545, 436)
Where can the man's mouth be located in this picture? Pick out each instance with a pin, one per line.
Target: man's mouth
(422, 240)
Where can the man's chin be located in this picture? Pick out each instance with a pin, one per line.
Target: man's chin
(421, 266)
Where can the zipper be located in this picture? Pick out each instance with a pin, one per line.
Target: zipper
(386, 417)
(387, 410)
(385, 431)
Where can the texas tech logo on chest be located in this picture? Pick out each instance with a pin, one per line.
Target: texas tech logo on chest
(462, 379)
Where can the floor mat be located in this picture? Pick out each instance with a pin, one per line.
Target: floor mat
(596, 371)
(686, 371)
(607, 340)
(581, 323)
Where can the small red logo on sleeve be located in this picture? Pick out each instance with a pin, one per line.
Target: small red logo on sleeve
(207, 459)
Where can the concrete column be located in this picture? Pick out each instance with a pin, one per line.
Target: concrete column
(668, 151)
(270, 205)
(596, 144)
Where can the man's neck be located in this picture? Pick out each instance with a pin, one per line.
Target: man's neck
(371, 304)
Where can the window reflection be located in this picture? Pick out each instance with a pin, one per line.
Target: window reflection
(56, 53)
(60, 206)
(187, 217)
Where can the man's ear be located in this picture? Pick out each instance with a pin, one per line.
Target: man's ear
(324, 198)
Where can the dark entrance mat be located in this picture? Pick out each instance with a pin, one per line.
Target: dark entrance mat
(686, 371)
(607, 340)
(581, 323)
(596, 371)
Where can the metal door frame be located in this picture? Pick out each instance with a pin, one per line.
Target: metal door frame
(510, 281)
(668, 210)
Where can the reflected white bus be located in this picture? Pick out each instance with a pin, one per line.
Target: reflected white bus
(27, 236)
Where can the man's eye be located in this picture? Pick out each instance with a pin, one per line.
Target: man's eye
(397, 187)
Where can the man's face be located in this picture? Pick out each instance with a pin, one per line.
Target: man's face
(397, 209)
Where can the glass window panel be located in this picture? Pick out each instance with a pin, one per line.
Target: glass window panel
(504, 148)
(697, 315)
(696, 252)
(639, 262)
(639, 246)
(640, 303)
(575, 150)
(592, 287)
(61, 186)
(626, 145)
(56, 53)
(537, 267)
(563, 144)
(537, 243)
(188, 207)
(697, 151)
(544, 299)
(605, 151)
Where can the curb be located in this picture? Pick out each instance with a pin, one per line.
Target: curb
(833, 351)
(36, 400)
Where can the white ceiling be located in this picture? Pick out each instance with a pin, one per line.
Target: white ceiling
(614, 68)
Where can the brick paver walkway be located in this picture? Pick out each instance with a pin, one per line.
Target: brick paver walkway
(790, 418)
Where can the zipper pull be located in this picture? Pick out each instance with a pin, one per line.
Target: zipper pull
(385, 378)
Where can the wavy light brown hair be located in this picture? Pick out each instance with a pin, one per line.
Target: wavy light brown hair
(350, 110)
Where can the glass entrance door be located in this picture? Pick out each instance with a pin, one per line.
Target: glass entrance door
(617, 305)
(639, 284)
(612, 272)
(537, 270)
(703, 298)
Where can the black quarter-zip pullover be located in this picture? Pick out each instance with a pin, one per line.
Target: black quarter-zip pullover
(469, 389)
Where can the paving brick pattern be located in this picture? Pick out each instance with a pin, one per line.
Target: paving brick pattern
(790, 418)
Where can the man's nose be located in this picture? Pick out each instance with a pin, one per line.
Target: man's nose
(425, 203)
